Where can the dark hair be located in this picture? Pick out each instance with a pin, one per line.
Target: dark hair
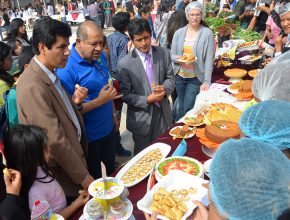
(46, 30)
(25, 57)
(120, 21)
(24, 147)
(164, 7)
(12, 44)
(144, 9)
(60, 2)
(177, 20)
(118, 4)
(5, 51)
(6, 19)
(15, 24)
(138, 26)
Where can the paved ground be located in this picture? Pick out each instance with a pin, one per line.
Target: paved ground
(126, 136)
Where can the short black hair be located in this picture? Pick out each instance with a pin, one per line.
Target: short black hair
(144, 9)
(25, 57)
(120, 21)
(138, 26)
(46, 30)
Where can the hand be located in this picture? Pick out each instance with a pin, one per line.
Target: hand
(116, 122)
(80, 94)
(13, 182)
(155, 97)
(107, 93)
(200, 213)
(204, 87)
(264, 9)
(272, 6)
(87, 181)
(82, 199)
(158, 89)
(152, 217)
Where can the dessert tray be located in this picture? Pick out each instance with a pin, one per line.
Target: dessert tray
(140, 166)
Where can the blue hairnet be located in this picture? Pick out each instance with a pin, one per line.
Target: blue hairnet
(269, 122)
(250, 180)
(194, 5)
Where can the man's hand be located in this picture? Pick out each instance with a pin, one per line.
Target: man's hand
(264, 9)
(87, 181)
(158, 89)
(155, 97)
(107, 93)
(80, 94)
(13, 182)
(204, 87)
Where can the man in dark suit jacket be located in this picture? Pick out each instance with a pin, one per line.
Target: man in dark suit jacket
(146, 82)
(42, 101)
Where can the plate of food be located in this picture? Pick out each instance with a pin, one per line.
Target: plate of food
(107, 188)
(172, 197)
(194, 120)
(140, 166)
(184, 164)
(243, 96)
(253, 73)
(184, 132)
(251, 45)
(116, 209)
(186, 59)
(235, 73)
(241, 87)
(223, 111)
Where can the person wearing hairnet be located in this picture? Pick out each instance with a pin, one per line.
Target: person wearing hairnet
(192, 40)
(272, 83)
(280, 45)
(268, 122)
(250, 179)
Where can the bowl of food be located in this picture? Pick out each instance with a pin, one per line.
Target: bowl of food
(94, 209)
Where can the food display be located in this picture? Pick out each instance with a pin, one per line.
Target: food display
(94, 209)
(223, 111)
(220, 131)
(242, 86)
(184, 164)
(235, 73)
(253, 73)
(142, 166)
(194, 120)
(182, 132)
(166, 204)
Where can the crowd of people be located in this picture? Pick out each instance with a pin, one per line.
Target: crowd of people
(62, 108)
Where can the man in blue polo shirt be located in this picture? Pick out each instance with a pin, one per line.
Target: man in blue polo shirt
(87, 67)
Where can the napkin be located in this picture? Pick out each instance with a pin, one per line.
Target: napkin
(181, 149)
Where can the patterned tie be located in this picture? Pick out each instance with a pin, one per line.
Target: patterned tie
(150, 73)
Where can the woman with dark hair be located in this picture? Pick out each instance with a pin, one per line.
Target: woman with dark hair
(27, 150)
(177, 20)
(160, 25)
(18, 31)
(192, 41)
(6, 81)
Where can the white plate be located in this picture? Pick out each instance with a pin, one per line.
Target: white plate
(199, 174)
(206, 166)
(189, 136)
(96, 188)
(232, 91)
(127, 214)
(208, 151)
(175, 180)
(164, 148)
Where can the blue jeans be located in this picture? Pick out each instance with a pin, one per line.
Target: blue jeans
(187, 89)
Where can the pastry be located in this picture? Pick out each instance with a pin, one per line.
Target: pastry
(242, 86)
(253, 73)
(41, 210)
(220, 131)
(95, 209)
(235, 73)
(223, 111)
(117, 208)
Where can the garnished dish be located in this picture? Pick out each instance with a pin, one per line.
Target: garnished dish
(166, 204)
(140, 166)
(182, 132)
(184, 164)
(187, 59)
(235, 73)
(223, 111)
(242, 90)
(224, 63)
(194, 120)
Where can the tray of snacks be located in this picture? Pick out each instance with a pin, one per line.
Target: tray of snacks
(184, 132)
(140, 166)
(116, 209)
(107, 188)
(235, 73)
(184, 164)
(250, 59)
(241, 86)
(172, 197)
(252, 45)
(222, 111)
(186, 59)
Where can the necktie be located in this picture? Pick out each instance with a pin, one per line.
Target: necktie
(150, 73)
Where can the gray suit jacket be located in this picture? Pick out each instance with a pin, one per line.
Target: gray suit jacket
(135, 88)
